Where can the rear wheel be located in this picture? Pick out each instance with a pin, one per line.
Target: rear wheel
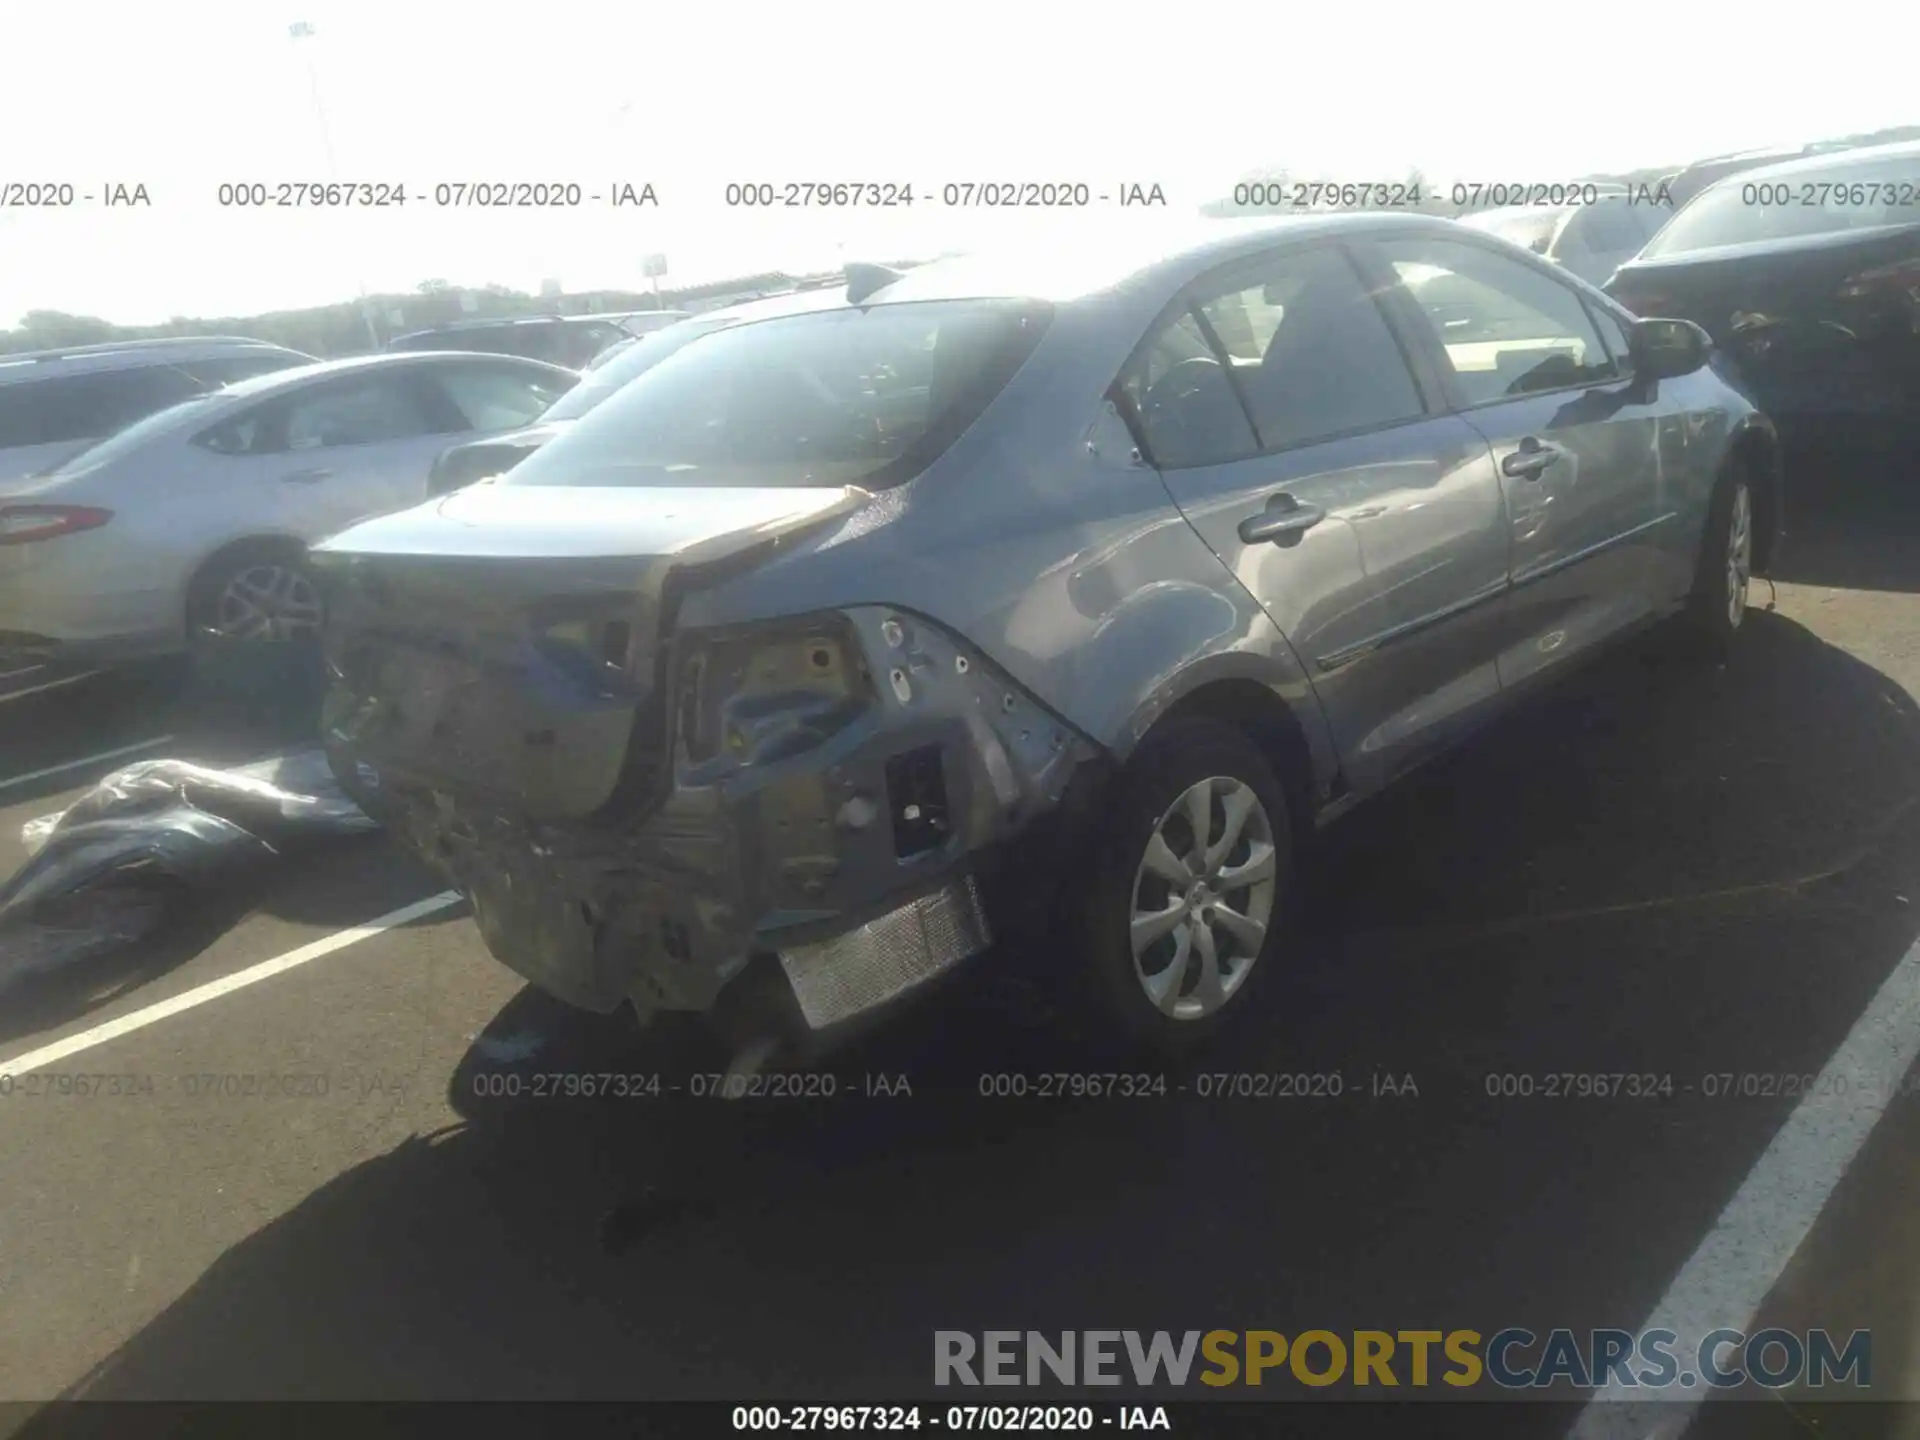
(258, 595)
(1190, 886)
(1717, 606)
(253, 630)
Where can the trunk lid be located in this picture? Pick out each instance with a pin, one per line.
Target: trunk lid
(509, 644)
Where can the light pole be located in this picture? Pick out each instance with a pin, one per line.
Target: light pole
(302, 30)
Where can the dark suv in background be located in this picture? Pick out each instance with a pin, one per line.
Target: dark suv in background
(53, 402)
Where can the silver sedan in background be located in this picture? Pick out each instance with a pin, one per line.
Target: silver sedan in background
(195, 520)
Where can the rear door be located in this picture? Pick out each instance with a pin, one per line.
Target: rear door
(1574, 436)
(314, 461)
(1307, 447)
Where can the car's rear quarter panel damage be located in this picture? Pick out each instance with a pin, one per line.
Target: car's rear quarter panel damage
(798, 833)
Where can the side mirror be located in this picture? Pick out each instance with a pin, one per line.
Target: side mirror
(1665, 349)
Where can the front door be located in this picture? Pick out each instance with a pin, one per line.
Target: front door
(1574, 437)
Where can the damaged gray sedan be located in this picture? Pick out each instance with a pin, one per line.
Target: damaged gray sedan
(1059, 596)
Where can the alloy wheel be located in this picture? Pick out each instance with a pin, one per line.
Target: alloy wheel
(268, 601)
(1203, 898)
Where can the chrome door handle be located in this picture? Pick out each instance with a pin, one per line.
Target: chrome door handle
(1530, 461)
(305, 477)
(1283, 522)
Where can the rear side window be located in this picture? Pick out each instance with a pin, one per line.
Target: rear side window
(1330, 365)
(64, 408)
(843, 397)
(1308, 356)
(1183, 399)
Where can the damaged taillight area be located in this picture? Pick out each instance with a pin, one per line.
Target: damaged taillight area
(768, 695)
(524, 689)
(25, 524)
(820, 778)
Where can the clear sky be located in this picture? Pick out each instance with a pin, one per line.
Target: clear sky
(689, 94)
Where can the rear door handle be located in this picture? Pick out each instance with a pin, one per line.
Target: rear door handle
(1530, 461)
(305, 477)
(1283, 522)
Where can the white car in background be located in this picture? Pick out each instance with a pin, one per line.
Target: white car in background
(194, 522)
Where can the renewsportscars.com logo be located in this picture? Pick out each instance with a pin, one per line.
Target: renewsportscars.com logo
(1511, 1359)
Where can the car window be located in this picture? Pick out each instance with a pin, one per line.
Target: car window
(849, 396)
(1610, 227)
(358, 412)
(492, 397)
(645, 353)
(1613, 332)
(64, 408)
(1506, 329)
(249, 433)
(1316, 358)
(132, 437)
(1183, 400)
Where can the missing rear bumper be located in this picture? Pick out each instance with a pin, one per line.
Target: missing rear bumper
(850, 974)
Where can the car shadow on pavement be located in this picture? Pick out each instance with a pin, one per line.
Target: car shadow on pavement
(1853, 537)
(1654, 866)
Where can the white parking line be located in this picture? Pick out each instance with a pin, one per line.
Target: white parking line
(139, 1020)
(65, 680)
(1743, 1255)
(85, 760)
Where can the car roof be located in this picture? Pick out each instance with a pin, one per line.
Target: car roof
(131, 354)
(1831, 160)
(503, 322)
(292, 379)
(1480, 218)
(1067, 267)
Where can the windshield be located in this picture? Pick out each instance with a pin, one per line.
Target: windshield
(1742, 209)
(863, 397)
(636, 357)
(1523, 226)
(131, 438)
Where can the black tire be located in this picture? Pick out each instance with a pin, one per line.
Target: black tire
(281, 674)
(1174, 758)
(1714, 616)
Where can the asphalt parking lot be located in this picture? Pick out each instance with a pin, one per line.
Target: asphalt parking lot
(1656, 869)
